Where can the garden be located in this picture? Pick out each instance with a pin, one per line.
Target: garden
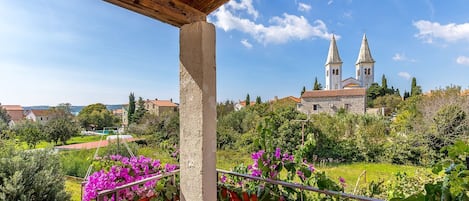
(417, 153)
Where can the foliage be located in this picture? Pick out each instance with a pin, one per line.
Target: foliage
(140, 111)
(32, 175)
(455, 183)
(258, 100)
(131, 109)
(224, 108)
(76, 163)
(415, 89)
(60, 129)
(317, 85)
(303, 90)
(96, 116)
(4, 116)
(248, 100)
(30, 132)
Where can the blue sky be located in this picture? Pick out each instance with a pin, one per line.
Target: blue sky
(87, 51)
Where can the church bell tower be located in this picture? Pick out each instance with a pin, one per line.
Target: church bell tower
(333, 67)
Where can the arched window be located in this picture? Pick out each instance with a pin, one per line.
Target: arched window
(333, 71)
(337, 72)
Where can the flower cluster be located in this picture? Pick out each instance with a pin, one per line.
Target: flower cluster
(117, 170)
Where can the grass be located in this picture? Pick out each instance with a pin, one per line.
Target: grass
(73, 186)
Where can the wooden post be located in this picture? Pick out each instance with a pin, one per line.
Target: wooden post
(198, 112)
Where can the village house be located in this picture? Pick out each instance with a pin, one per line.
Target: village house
(242, 104)
(160, 107)
(40, 116)
(16, 113)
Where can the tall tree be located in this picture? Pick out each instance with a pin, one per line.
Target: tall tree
(317, 85)
(384, 82)
(406, 95)
(303, 90)
(258, 100)
(131, 111)
(140, 111)
(248, 100)
(4, 115)
(415, 89)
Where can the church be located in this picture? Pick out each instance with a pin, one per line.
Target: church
(348, 94)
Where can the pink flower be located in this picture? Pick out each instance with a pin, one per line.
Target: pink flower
(223, 178)
(277, 153)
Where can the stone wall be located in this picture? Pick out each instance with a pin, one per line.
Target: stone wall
(331, 105)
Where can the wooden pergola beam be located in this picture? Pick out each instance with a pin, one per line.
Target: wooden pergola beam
(173, 12)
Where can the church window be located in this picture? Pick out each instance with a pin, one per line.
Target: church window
(337, 71)
(333, 71)
(315, 107)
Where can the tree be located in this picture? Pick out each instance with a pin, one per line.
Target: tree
(450, 123)
(96, 116)
(224, 108)
(30, 132)
(317, 85)
(140, 111)
(415, 89)
(258, 100)
(372, 93)
(131, 111)
(60, 129)
(248, 100)
(406, 95)
(303, 90)
(4, 115)
(384, 82)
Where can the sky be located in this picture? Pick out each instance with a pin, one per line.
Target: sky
(87, 51)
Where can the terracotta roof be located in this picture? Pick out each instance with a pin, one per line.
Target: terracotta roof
(163, 103)
(42, 113)
(334, 93)
(243, 103)
(11, 107)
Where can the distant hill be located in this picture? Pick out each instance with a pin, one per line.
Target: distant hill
(75, 109)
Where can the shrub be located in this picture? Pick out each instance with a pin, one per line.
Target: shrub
(31, 175)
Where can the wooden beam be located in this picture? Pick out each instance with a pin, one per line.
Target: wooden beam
(173, 12)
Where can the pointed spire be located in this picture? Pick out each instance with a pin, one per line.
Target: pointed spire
(365, 55)
(333, 56)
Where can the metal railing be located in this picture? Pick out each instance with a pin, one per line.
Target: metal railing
(115, 191)
(299, 186)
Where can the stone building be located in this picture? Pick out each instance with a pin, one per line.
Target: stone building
(331, 101)
(160, 107)
(349, 93)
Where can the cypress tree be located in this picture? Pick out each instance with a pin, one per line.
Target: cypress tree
(131, 111)
(248, 100)
(258, 100)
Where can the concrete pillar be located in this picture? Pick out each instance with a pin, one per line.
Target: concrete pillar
(198, 112)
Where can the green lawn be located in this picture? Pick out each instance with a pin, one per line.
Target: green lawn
(73, 186)
(73, 140)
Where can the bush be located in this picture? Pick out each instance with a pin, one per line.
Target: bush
(31, 175)
(76, 163)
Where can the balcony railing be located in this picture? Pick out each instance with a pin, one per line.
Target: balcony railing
(114, 192)
(298, 186)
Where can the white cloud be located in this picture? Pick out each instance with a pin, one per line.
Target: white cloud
(404, 75)
(246, 43)
(402, 57)
(348, 14)
(330, 2)
(463, 60)
(304, 7)
(280, 29)
(244, 5)
(450, 32)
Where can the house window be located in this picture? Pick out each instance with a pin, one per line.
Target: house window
(41, 118)
(315, 107)
(347, 107)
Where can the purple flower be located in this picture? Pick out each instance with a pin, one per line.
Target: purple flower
(257, 155)
(277, 153)
(341, 180)
(223, 178)
(256, 173)
(300, 174)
